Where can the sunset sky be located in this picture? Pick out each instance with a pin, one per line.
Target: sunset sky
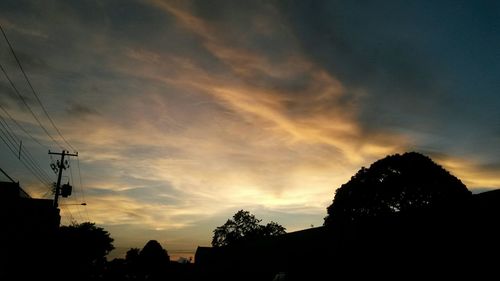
(184, 112)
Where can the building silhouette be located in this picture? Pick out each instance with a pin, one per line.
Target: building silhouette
(28, 230)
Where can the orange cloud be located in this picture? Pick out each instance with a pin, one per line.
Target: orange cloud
(470, 171)
(231, 141)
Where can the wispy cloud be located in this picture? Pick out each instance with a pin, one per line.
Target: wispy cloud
(183, 116)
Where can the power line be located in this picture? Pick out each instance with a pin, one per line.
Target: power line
(26, 104)
(27, 156)
(72, 181)
(49, 192)
(24, 151)
(22, 128)
(33, 170)
(82, 188)
(71, 218)
(7, 175)
(28, 160)
(24, 154)
(16, 142)
(33, 90)
(12, 148)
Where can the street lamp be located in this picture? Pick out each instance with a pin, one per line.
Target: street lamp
(83, 204)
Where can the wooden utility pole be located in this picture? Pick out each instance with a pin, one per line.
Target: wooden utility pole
(61, 166)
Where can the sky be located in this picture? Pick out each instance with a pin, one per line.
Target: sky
(184, 112)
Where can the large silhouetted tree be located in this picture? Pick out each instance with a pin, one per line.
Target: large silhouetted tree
(83, 248)
(154, 260)
(243, 227)
(153, 253)
(396, 184)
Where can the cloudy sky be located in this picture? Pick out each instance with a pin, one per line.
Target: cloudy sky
(184, 112)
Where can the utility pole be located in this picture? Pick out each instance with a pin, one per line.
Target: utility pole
(61, 166)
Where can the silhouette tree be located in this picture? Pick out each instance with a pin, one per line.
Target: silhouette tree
(132, 255)
(273, 229)
(154, 260)
(396, 184)
(83, 249)
(243, 227)
(133, 264)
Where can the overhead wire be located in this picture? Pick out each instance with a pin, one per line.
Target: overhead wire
(49, 192)
(82, 188)
(12, 138)
(33, 170)
(22, 128)
(25, 154)
(22, 152)
(72, 181)
(71, 218)
(12, 148)
(29, 108)
(33, 90)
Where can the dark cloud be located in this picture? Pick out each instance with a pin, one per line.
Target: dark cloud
(257, 26)
(76, 109)
(36, 65)
(369, 48)
(424, 67)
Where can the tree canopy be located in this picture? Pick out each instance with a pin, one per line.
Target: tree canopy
(86, 240)
(395, 184)
(243, 227)
(154, 255)
(82, 249)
